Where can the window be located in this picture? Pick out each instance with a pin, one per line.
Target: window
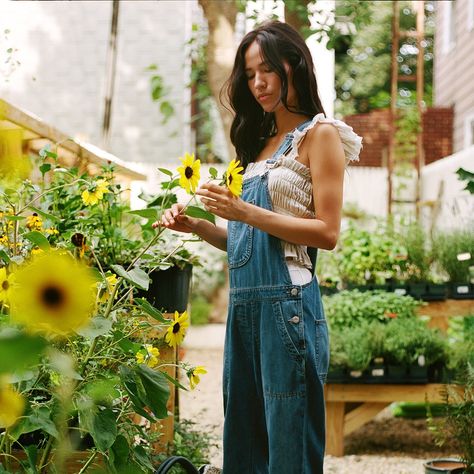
(469, 130)
(470, 15)
(449, 25)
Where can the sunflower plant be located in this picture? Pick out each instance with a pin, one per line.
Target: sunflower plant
(85, 363)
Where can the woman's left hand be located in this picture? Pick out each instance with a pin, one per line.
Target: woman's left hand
(221, 202)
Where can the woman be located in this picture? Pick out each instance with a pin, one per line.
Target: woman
(276, 350)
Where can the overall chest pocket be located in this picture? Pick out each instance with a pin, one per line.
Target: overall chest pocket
(239, 243)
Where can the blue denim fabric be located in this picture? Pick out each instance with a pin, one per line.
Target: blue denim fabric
(276, 355)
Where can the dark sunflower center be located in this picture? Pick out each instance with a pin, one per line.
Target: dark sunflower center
(5, 285)
(188, 172)
(176, 328)
(230, 178)
(52, 297)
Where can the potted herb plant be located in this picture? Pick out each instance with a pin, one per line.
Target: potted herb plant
(453, 251)
(457, 424)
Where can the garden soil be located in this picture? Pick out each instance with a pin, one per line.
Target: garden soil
(386, 445)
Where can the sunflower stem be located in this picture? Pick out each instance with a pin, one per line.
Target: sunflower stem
(88, 463)
(45, 455)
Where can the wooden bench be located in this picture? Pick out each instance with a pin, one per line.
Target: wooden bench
(349, 406)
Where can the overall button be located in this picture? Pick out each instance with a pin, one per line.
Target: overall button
(294, 291)
(295, 320)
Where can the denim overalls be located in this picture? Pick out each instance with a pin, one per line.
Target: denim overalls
(276, 354)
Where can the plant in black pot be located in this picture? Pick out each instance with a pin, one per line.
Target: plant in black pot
(454, 252)
(412, 350)
(457, 424)
(170, 271)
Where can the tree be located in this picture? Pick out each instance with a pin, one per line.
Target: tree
(221, 18)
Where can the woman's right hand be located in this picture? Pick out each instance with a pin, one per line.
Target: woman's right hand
(172, 219)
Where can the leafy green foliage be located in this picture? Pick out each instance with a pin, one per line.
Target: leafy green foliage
(348, 309)
(447, 246)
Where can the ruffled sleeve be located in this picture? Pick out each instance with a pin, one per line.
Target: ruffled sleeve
(351, 142)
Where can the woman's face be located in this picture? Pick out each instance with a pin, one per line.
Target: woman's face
(264, 83)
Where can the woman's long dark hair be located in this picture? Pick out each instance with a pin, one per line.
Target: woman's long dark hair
(251, 126)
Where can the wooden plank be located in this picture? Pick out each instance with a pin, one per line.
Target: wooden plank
(383, 393)
(361, 415)
(83, 151)
(335, 428)
(441, 311)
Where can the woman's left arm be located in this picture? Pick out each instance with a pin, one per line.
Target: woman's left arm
(327, 164)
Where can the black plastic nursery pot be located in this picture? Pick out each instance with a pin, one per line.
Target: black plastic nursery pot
(400, 288)
(418, 289)
(169, 289)
(461, 291)
(436, 292)
(445, 466)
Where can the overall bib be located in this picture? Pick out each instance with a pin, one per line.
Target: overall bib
(275, 356)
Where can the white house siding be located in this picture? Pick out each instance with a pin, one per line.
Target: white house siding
(62, 47)
(454, 68)
(457, 205)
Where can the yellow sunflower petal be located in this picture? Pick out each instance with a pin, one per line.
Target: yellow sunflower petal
(234, 178)
(53, 293)
(12, 405)
(190, 173)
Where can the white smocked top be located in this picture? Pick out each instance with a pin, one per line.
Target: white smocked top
(289, 182)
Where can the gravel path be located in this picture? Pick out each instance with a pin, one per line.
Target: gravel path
(203, 346)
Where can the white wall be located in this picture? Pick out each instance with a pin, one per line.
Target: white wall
(62, 49)
(457, 205)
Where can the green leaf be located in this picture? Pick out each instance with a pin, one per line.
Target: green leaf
(166, 171)
(148, 213)
(135, 391)
(97, 327)
(121, 451)
(19, 351)
(167, 110)
(150, 310)
(126, 344)
(199, 212)
(174, 381)
(164, 200)
(14, 218)
(44, 168)
(103, 390)
(38, 418)
(45, 215)
(104, 429)
(37, 238)
(143, 457)
(4, 256)
(213, 172)
(156, 388)
(135, 276)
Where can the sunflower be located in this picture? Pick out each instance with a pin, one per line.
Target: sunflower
(234, 178)
(177, 329)
(106, 288)
(6, 282)
(90, 197)
(52, 293)
(193, 375)
(148, 356)
(12, 405)
(34, 222)
(189, 173)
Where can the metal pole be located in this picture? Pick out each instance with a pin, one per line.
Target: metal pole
(420, 75)
(110, 75)
(393, 102)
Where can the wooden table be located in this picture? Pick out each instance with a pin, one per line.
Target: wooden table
(349, 406)
(441, 311)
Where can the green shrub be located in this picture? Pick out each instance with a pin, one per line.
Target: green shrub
(351, 308)
(190, 442)
(200, 309)
(407, 339)
(370, 256)
(446, 248)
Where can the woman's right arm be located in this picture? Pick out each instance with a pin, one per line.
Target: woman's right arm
(172, 219)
